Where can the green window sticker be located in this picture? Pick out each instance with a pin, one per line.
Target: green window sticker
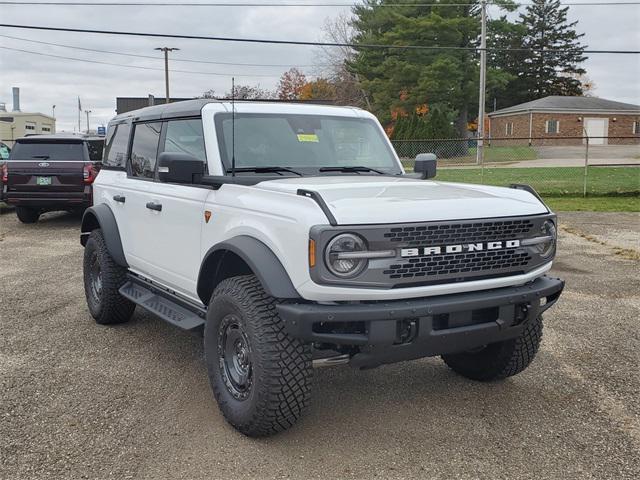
(308, 137)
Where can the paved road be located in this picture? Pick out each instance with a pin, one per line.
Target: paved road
(78, 400)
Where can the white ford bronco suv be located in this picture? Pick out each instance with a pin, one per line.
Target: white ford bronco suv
(292, 234)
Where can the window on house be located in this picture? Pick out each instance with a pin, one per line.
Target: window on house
(636, 128)
(508, 130)
(552, 126)
(30, 126)
(46, 128)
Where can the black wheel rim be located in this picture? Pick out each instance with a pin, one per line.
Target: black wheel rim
(234, 357)
(95, 279)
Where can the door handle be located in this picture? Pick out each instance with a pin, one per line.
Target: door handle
(119, 198)
(154, 206)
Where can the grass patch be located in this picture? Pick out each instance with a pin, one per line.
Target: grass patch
(594, 204)
(554, 181)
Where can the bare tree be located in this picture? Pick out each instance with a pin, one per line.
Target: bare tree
(333, 62)
(250, 92)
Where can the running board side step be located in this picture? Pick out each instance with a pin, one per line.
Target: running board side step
(163, 304)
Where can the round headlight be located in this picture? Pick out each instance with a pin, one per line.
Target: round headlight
(546, 249)
(337, 255)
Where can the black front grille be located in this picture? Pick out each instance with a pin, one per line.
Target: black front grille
(467, 264)
(461, 232)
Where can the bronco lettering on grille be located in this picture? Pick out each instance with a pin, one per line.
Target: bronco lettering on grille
(463, 247)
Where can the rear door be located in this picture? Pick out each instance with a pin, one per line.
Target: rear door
(47, 166)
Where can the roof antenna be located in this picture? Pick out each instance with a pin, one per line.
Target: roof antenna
(233, 126)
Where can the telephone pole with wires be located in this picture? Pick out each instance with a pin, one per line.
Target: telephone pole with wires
(483, 81)
(166, 51)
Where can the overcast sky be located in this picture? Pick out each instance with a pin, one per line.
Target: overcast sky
(46, 81)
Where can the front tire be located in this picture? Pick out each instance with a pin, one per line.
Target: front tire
(500, 360)
(103, 277)
(28, 214)
(260, 376)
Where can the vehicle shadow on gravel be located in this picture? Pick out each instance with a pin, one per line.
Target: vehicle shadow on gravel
(395, 400)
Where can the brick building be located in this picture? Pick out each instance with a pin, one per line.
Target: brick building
(550, 120)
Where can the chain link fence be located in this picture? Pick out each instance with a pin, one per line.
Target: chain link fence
(558, 166)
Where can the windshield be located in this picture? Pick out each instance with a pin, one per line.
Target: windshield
(304, 143)
(48, 151)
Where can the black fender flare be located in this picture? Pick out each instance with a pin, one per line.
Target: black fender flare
(259, 257)
(101, 216)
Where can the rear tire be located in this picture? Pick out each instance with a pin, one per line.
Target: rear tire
(27, 214)
(103, 277)
(260, 376)
(499, 360)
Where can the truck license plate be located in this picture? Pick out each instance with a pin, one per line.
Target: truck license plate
(43, 180)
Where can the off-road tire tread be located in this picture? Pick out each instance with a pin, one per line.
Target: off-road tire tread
(115, 308)
(286, 363)
(27, 214)
(505, 359)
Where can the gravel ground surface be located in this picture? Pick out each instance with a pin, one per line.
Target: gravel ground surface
(79, 400)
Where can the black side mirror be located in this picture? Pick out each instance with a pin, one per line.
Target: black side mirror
(426, 165)
(179, 168)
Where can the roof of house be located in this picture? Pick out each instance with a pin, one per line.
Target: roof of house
(570, 104)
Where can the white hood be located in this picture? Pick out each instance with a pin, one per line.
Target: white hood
(372, 199)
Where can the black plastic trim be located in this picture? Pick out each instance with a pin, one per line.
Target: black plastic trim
(107, 223)
(316, 197)
(260, 259)
(380, 319)
(531, 190)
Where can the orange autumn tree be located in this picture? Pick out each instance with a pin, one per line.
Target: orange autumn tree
(291, 84)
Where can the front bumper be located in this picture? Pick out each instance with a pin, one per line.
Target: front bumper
(392, 331)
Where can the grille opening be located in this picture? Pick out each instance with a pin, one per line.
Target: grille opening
(465, 264)
(339, 327)
(480, 231)
(445, 321)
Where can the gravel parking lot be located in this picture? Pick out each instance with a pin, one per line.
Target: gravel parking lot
(79, 400)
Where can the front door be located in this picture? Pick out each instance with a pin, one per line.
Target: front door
(597, 129)
(168, 218)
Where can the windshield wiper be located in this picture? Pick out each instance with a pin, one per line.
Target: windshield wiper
(265, 170)
(351, 169)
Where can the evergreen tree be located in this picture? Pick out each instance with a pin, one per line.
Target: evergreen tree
(541, 73)
(427, 76)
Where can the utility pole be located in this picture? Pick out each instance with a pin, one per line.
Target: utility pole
(166, 51)
(483, 81)
(87, 112)
(53, 111)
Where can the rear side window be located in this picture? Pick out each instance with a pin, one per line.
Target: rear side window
(115, 151)
(95, 150)
(185, 136)
(48, 151)
(144, 150)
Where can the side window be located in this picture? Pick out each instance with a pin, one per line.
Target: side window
(552, 126)
(115, 150)
(95, 150)
(185, 136)
(145, 149)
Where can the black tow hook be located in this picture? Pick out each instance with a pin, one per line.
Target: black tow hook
(406, 331)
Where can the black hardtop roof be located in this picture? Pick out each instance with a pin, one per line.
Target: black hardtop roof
(186, 108)
(58, 138)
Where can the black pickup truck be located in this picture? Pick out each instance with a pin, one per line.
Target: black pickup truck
(51, 172)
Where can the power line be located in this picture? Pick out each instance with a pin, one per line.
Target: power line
(305, 43)
(289, 4)
(140, 67)
(75, 47)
